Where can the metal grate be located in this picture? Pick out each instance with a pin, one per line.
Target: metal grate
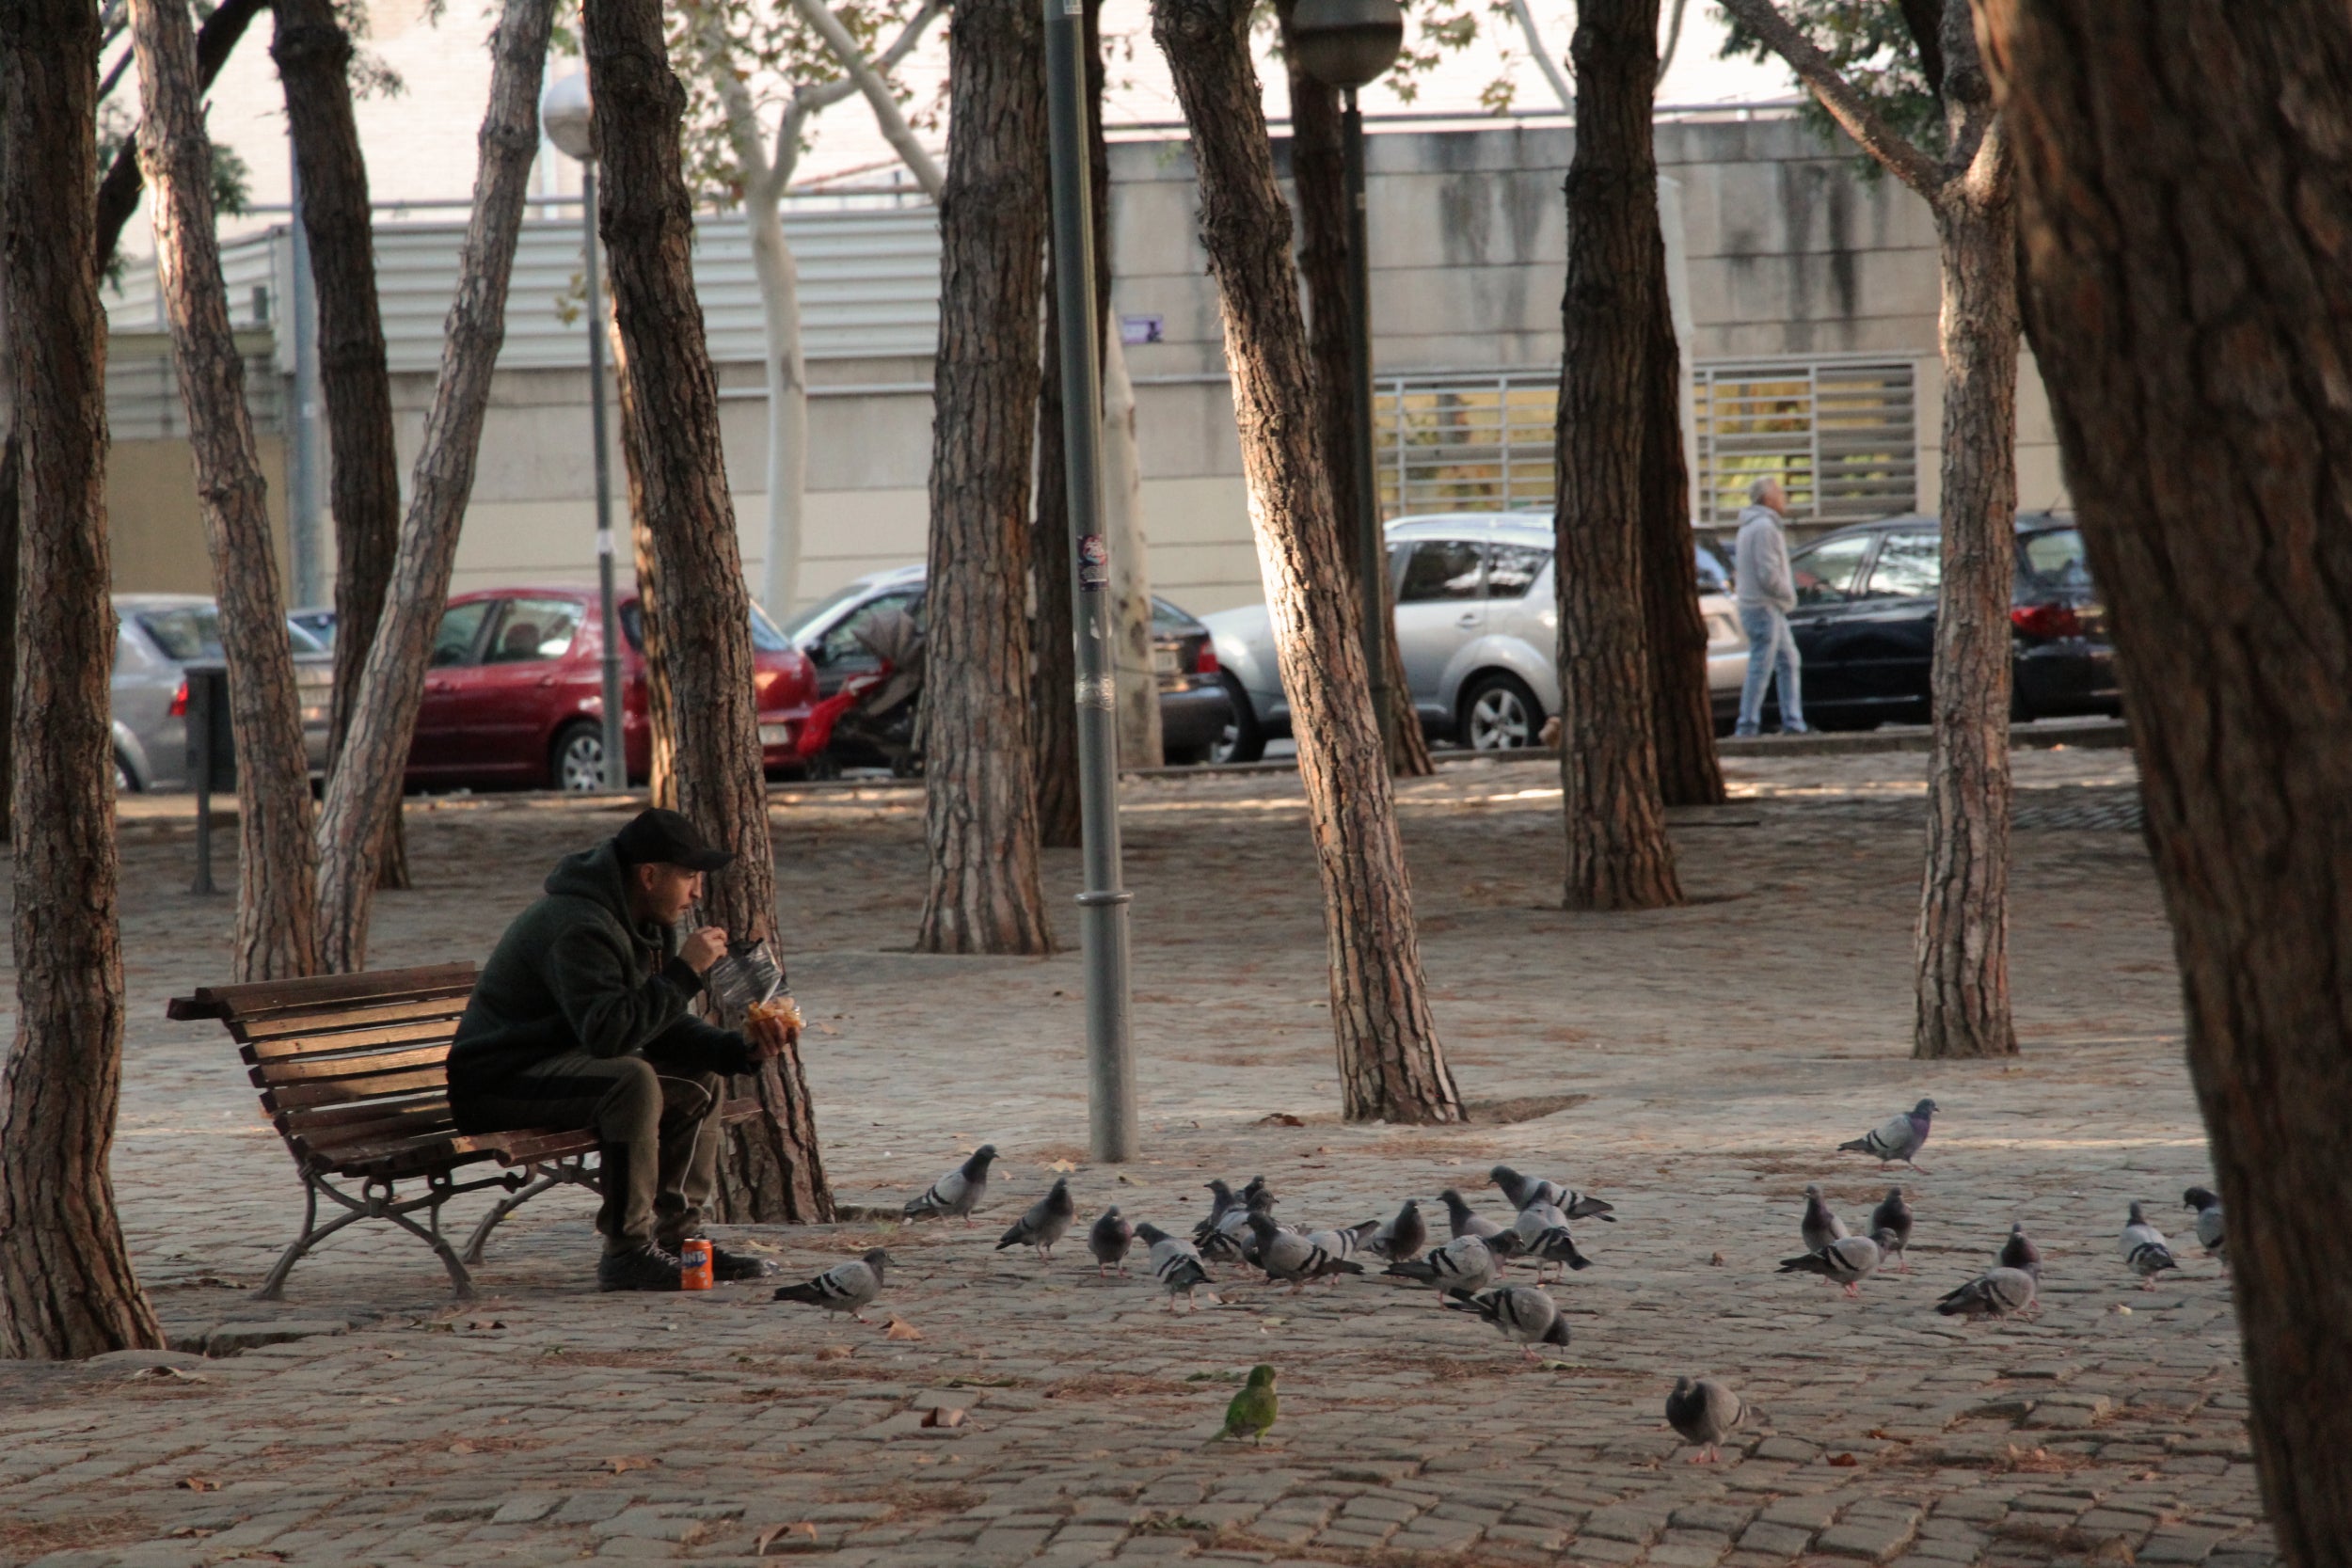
(1451, 443)
(1841, 434)
(143, 389)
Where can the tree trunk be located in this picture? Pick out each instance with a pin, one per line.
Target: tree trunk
(313, 55)
(661, 712)
(66, 1288)
(1618, 855)
(11, 509)
(2182, 169)
(1137, 720)
(1962, 939)
(1682, 714)
(364, 791)
(980, 816)
(119, 193)
(1390, 1065)
(1319, 178)
(772, 1170)
(277, 856)
(779, 273)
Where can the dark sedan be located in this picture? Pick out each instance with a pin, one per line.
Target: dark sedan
(1864, 623)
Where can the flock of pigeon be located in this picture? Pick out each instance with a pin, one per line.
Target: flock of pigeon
(1467, 1270)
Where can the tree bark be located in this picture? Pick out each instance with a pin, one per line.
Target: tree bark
(772, 1170)
(1682, 714)
(66, 1288)
(119, 193)
(2183, 172)
(277, 856)
(1137, 717)
(1390, 1065)
(787, 371)
(1319, 179)
(313, 55)
(12, 509)
(981, 812)
(1618, 855)
(661, 711)
(1962, 939)
(364, 791)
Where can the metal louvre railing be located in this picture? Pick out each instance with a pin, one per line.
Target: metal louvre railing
(1841, 433)
(143, 390)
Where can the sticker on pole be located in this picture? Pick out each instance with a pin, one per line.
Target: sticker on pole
(1094, 563)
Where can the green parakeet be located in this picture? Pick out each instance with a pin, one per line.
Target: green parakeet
(1253, 1409)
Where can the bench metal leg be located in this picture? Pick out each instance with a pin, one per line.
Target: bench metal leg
(550, 1175)
(377, 1201)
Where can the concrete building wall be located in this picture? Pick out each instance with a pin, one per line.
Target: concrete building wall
(1791, 253)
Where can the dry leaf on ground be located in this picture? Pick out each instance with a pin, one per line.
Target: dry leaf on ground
(898, 1330)
(623, 1463)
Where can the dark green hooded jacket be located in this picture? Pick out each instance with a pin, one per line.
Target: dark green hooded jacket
(573, 973)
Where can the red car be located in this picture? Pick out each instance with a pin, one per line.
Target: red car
(514, 692)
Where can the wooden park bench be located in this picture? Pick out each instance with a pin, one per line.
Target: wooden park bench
(353, 1070)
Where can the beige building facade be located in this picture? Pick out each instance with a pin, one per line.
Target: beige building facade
(1810, 296)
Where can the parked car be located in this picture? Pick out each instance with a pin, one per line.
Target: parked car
(158, 636)
(1864, 623)
(1477, 625)
(1194, 713)
(319, 621)
(514, 692)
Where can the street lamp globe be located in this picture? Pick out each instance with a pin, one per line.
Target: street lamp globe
(563, 115)
(1347, 43)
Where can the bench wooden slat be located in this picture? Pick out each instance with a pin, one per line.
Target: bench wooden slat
(301, 1069)
(296, 1096)
(423, 1118)
(442, 1029)
(263, 997)
(323, 1021)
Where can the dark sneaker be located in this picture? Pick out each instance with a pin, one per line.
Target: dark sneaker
(733, 1268)
(648, 1268)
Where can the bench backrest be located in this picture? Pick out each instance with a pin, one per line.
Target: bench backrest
(346, 1061)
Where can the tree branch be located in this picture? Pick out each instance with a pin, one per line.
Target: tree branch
(1526, 18)
(119, 193)
(1674, 40)
(1882, 141)
(870, 82)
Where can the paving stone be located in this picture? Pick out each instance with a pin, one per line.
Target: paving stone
(1871, 1540)
(235, 1339)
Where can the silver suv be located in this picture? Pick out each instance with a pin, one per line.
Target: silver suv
(1477, 625)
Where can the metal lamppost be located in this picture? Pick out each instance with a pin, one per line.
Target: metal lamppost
(563, 114)
(1102, 907)
(1347, 44)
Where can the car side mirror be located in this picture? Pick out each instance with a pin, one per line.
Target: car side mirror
(819, 653)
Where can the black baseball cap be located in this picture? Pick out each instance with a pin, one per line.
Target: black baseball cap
(659, 837)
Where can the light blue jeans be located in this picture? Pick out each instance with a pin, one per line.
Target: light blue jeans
(1772, 656)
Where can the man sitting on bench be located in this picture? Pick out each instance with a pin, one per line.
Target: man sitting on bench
(580, 1019)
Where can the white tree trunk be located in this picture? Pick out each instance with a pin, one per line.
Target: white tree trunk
(779, 273)
(1138, 709)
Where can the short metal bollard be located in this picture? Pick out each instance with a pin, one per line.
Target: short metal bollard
(212, 758)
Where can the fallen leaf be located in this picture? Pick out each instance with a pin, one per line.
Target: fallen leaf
(1280, 1118)
(190, 1532)
(1844, 1461)
(833, 1352)
(940, 1416)
(461, 1446)
(198, 1484)
(628, 1462)
(1715, 1260)
(897, 1330)
(1062, 1164)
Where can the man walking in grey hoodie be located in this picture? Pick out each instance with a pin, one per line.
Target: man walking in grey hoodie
(1767, 593)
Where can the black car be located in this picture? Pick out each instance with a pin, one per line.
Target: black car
(1864, 623)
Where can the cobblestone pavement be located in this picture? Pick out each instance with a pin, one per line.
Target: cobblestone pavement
(1697, 1066)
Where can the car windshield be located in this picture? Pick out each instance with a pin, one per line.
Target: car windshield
(1169, 621)
(796, 626)
(765, 639)
(2053, 560)
(186, 632)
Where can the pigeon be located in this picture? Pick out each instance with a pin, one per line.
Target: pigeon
(2144, 1249)
(958, 1193)
(1047, 1222)
(2208, 1232)
(1110, 1240)
(1251, 1189)
(1556, 1248)
(1222, 1202)
(1821, 1224)
(1899, 1139)
(1464, 1263)
(1465, 1220)
(1345, 1242)
(1890, 1227)
(1288, 1257)
(849, 1286)
(2001, 1292)
(1849, 1260)
(1533, 1221)
(1525, 1190)
(1226, 1239)
(1253, 1410)
(1405, 1236)
(1527, 1315)
(1174, 1264)
(1244, 1228)
(2019, 1252)
(1704, 1411)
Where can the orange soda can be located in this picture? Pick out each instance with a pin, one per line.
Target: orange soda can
(695, 1256)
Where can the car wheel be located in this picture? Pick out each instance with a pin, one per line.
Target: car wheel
(1241, 740)
(575, 766)
(126, 783)
(1500, 714)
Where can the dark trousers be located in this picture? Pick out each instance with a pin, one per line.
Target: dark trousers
(659, 1126)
